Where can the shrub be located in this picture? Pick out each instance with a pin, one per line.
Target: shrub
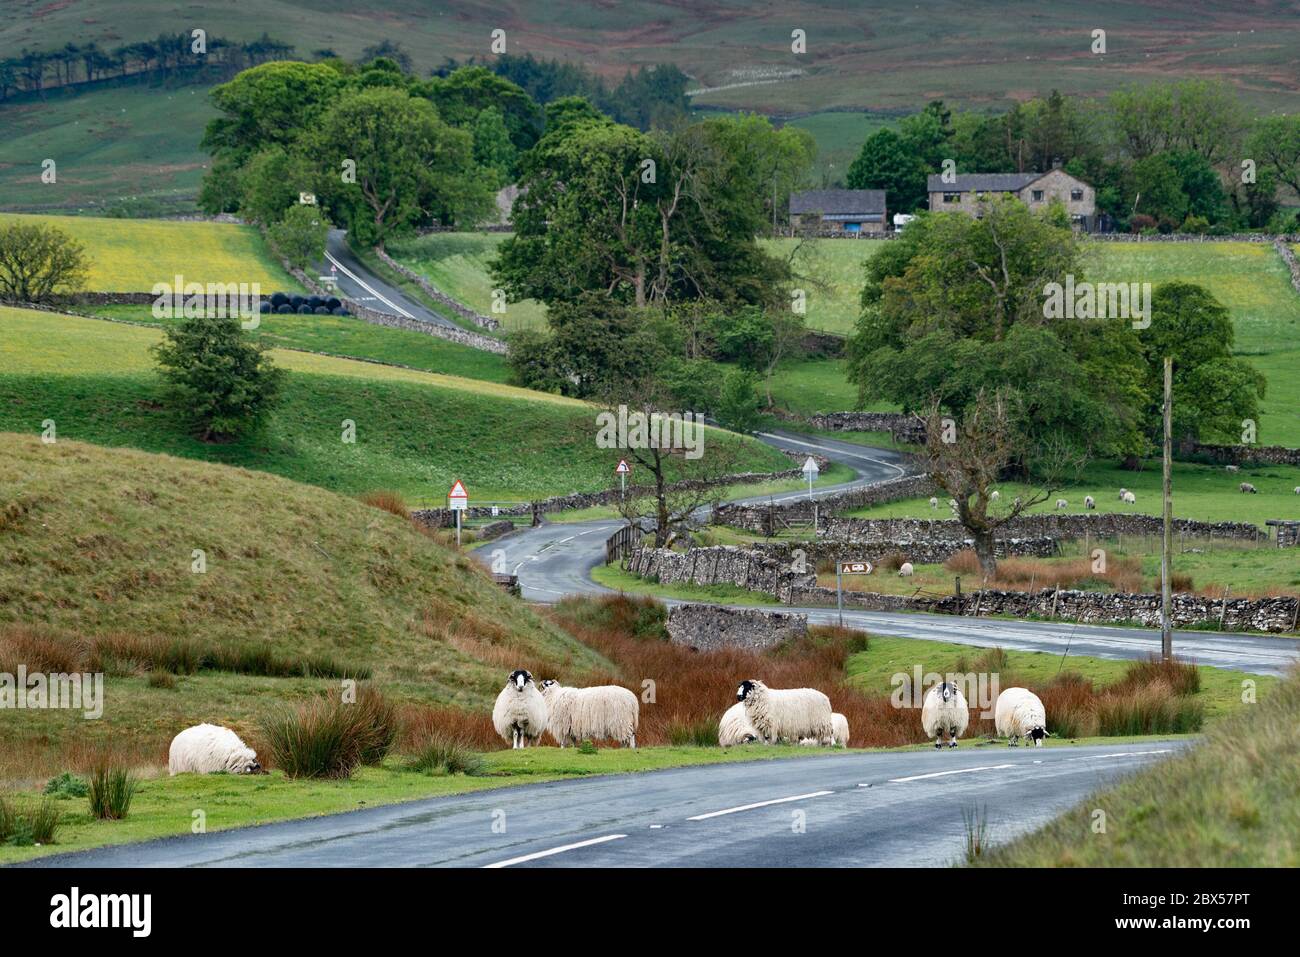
(378, 724)
(587, 747)
(111, 791)
(161, 679)
(23, 828)
(439, 753)
(1151, 709)
(38, 650)
(1183, 678)
(67, 785)
(965, 562)
(328, 738)
(893, 561)
(39, 261)
(387, 500)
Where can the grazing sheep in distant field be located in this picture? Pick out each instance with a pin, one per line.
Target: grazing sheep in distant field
(934, 502)
(208, 748)
(734, 728)
(905, 569)
(1130, 498)
(952, 505)
(1089, 502)
(1061, 503)
(1297, 489)
(1231, 468)
(1020, 713)
(1247, 488)
(596, 714)
(519, 714)
(1122, 493)
(944, 709)
(792, 713)
(839, 730)
(995, 495)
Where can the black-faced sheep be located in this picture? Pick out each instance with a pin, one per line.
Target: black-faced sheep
(1089, 502)
(209, 748)
(1018, 714)
(792, 714)
(944, 710)
(606, 712)
(1248, 489)
(519, 714)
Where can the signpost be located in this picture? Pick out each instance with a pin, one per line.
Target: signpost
(842, 569)
(458, 501)
(810, 469)
(621, 471)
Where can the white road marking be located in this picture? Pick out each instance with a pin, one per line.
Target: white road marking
(750, 807)
(944, 774)
(368, 288)
(1120, 754)
(555, 850)
(823, 448)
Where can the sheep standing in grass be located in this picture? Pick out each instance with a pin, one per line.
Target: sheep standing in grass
(1297, 490)
(944, 709)
(1248, 489)
(208, 748)
(734, 728)
(1089, 502)
(519, 714)
(1130, 498)
(839, 730)
(792, 714)
(1018, 714)
(905, 569)
(1231, 468)
(1061, 503)
(1122, 493)
(934, 502)
(995, 495)
(591, 714)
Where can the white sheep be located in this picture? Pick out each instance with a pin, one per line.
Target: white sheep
(1061, 503)
(595, 714)
(1297, 489)
(1231, 468)
(792, 714)
(906, 569)
(208, 748)
(519, 714)
(1020, 713)
(1122, 493)
(1089, 502)
(1130, 498)
(734, 728)
(995, 495)
(1248, 489)
(934, 502)
(839, 730)
(944, 709)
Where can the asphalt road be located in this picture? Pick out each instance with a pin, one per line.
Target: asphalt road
(834, 810)
(357, 282)
(556, 560)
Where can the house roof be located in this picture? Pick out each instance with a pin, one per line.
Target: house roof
(839, 203)
(982, 182)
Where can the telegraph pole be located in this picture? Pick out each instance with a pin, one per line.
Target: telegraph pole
(1166, 629)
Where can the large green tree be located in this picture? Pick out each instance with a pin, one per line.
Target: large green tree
(889, 162)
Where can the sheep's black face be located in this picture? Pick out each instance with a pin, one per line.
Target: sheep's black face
(520, 679)
(947, 691)
(548, 683)
(743, 691)
(1037, 734)
(253, 768)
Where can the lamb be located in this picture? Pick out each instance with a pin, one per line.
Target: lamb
(934, 502)
(1248, 489)
(995, 495)
(839, 730)
(209, 748)
(1122, 493)
(519, 714)
(1020, 713)
(905, 569)
(1130, 498)
(581, 714)
(1061, 503)
(734, 728)
(944, 709)
(1231, 468)
(793, 714)
(1089, 502)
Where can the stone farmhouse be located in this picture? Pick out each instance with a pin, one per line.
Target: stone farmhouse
(1035, 190)
(840, 212)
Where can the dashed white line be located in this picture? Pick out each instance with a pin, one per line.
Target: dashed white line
(364, 285)
(944, 774)
(852, 455)
(1120, 754)
(750, 807)
(555, 850)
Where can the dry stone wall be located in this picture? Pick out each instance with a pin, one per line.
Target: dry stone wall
(1248, 454)
(1054, 525)
(769, 518)
(712, 627)
(718, 565)
(437, 295)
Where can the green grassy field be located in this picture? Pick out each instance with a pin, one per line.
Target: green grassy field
(417, 432)
(130, 255)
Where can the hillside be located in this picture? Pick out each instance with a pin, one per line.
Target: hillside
(98, 544)
(417, 432)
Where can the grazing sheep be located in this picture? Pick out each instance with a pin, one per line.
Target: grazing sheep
(734, 728)
(1248, 489)
(905, 569)
(839, 730)
(793, 713)
(520, 712)
(1297, 489)
(1089, 502)
(1130, 498)
(1231, 468)
(944, 709)
(934, 502)
(995, 495)
(1061, 503)
(208, 748)
(581, 714)
(1122, 493)
(1020, 713)
(952, 505)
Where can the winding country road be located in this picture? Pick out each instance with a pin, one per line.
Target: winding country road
(357, 282)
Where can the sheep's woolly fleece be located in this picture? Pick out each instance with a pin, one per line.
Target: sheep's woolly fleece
(1018, 712)
(839, 730)
(596, 714)
(790, 714)
(734, 727)
(939, 716)
(519, 714)
(208, 748)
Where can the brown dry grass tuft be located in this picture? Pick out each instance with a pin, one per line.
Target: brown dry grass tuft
(387, 500)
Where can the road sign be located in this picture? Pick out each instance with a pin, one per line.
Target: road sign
(842, 569)
(623, 468)
(810, 467)
(458, 498)
(855, 568)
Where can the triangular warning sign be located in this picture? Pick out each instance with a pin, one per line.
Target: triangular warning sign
(623, 467)
(458, 491)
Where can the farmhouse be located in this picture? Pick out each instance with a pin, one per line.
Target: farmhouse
(848, 212)
(1036, 190)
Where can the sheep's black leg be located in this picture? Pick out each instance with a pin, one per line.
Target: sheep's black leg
(952, 737)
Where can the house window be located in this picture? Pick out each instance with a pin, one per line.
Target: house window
(952, 197)
(1076, 195)
(1038, 196)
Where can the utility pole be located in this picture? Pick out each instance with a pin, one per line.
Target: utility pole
(1166, 630)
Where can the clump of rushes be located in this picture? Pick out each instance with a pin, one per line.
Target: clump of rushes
(111, 790)
(329, 738)
(435, 752)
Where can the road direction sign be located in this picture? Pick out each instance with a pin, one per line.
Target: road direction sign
(458, 498)
(623, 468)
(842, 569)
(855, 568)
